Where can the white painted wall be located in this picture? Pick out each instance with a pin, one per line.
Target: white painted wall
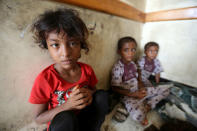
(177, 40)
(138, 4)
(157, 5)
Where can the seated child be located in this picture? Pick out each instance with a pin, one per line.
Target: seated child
(64, 94)
(149, 64)
(138, 101)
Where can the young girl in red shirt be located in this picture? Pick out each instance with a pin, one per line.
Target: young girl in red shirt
(64, 94)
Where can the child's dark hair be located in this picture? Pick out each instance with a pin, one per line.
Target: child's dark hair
(124, 40)
(66, 20)
(149, 44)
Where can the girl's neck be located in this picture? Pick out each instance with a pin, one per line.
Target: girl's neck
(70, 75)
(149, 59)
(67, 72)
(125, 62)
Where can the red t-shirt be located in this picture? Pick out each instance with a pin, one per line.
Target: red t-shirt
(50, 88)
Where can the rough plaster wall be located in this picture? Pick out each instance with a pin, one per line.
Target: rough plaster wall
(157, 5)
(177, 40)
(21, 60)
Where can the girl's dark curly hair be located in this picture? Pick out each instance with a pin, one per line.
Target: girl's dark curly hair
(66, 20)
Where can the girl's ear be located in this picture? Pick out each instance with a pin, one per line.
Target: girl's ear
(118, 51)
(79, 56)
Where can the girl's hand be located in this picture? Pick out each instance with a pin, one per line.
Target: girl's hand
(140, 84)
(88, 94)
(78, 99)
(142, 90)
(141, 93)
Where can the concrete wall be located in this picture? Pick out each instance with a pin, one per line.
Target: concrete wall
(177, 40)
(21, 60)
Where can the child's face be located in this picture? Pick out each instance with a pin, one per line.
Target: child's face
(64, 51)
(152, 52)
(127, 52)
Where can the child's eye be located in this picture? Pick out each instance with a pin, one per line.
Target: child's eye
(153, 51)
(126, 50)
(73, 43)
(133, 50)
(54, 45)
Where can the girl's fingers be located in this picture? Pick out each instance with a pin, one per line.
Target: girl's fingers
(75, 88)
(142, 95)
(90, 101)
(81, 93)
(81, 103)
(81, 106)
(80, 97)
(75, 91)
(76, 97)
(143, 90)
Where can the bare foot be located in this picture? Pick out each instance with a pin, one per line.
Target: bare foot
(145, 122)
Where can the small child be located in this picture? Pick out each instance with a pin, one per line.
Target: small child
(149, 64)
(138, 101)
(64, 94)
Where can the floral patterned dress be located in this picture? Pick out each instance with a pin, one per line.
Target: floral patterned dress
(149, 67)
(125, 76)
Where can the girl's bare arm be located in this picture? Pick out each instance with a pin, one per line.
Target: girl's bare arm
(140, 83)
(78, 100)
(157, 78)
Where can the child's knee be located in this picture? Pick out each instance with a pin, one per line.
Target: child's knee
(64, 119)
(101, 97)
(101, 100)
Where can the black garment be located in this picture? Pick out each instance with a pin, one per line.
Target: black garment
(88, 119)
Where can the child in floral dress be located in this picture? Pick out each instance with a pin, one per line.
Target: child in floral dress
(137, 99)
(149, 64)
